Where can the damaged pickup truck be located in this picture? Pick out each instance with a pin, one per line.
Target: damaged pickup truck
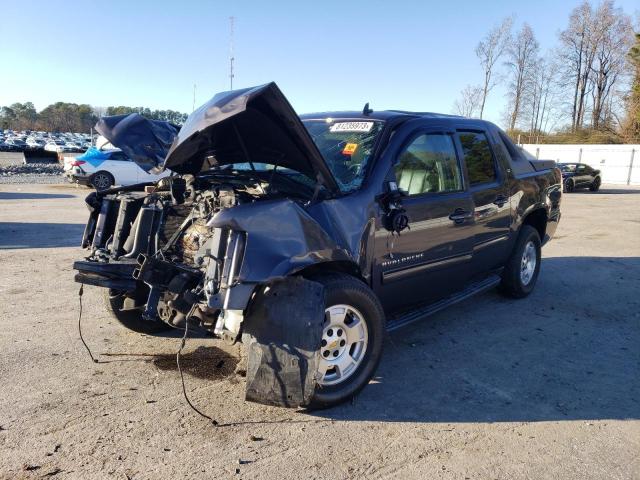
(308, 237)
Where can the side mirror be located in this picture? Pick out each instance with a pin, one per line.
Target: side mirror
(395, 217)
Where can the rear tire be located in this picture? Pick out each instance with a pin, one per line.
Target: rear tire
(102, 180)
(595, 185)
(131, 319)
(521, 271)
(343, 292)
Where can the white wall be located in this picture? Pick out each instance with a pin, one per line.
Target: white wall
(614, 161)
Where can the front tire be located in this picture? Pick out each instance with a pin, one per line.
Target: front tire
(595, 185)
(569, 186)
(131, 319)
(521, 271)
(352, 339)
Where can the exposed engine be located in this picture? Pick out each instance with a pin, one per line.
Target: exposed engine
(157, 248)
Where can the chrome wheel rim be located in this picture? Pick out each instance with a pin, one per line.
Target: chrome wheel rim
(528, 264)
(101, 182)
(345, 337)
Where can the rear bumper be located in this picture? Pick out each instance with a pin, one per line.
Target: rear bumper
(77, 175)
(552, 225)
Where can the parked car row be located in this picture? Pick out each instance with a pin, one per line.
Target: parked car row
(27, 140)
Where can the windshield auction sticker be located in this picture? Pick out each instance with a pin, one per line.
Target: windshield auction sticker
(350, 149)
(351, 127)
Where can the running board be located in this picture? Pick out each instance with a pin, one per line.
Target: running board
(399, 321)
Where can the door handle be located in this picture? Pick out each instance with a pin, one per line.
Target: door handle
(459, 215)
(500, 200)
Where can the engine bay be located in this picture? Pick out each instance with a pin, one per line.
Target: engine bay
(154, 245)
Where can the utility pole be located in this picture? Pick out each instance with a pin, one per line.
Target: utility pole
(231, 58)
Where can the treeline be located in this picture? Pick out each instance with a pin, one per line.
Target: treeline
(585, 89)
(166, 115)
(72, 117)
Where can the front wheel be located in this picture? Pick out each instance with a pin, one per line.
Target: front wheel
(352, 337)
(132, 319)
(569, 186)
(521, 271)
(595, 185)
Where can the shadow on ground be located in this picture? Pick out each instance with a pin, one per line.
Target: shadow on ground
(32, 196)
(17, 235)
(606, 191)
(567, 352)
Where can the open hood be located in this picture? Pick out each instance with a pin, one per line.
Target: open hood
(145, 141)
(255, 125)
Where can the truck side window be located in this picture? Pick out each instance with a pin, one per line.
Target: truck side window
(429, 165)
(478, 158)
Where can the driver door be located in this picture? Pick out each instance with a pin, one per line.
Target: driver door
(432, 258)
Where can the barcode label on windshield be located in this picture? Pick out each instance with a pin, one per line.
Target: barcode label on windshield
(351, 127)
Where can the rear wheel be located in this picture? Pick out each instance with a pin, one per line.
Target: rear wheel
(521, 271)
(595, 185)
(102, 180)
(351, 345)
(132, 319)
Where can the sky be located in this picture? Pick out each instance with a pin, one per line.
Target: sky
(329, 55)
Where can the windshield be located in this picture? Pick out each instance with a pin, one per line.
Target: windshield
(567, 167)
(346, 146)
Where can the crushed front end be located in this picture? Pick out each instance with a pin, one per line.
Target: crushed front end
(155, 248)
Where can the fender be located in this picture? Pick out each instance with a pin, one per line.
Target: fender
(281, 239)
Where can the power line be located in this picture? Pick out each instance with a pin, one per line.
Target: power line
(231, 57)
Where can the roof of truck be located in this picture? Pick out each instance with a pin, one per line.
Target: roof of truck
(392, 115)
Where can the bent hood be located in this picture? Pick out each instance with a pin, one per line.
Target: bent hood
(255, 125)
(145, 141)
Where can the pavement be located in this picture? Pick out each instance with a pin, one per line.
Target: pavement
(493, 388)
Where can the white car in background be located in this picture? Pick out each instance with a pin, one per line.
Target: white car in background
(56, 146)
(103, 169)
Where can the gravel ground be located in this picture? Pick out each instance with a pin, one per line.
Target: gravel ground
(545, 387)
(13, 170)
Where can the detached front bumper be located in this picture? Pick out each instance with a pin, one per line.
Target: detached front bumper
(118, 276)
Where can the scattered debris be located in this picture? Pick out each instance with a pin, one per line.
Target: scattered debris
(29, 468)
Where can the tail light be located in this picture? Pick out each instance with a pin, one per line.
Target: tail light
(77, 163)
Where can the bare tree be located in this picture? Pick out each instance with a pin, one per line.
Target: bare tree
(469, 102)
(631, 129)
(614, 35)
(578, 46)
(489, 51)
(521, 58)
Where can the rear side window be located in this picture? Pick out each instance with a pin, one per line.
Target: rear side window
(429, 165)
(477, 156)
(118, 156)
